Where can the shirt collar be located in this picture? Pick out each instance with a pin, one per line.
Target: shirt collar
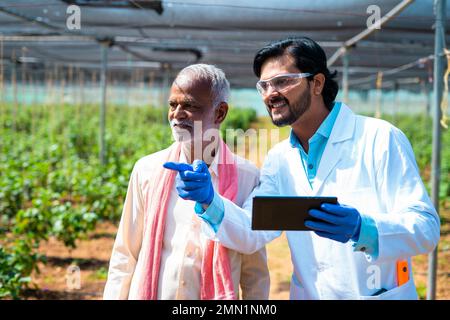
(327, 125)
(324, 130)
(293, 140)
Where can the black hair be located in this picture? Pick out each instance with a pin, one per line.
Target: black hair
(309, 57)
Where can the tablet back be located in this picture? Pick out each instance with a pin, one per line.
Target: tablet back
(284, 213)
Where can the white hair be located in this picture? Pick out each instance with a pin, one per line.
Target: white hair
(220, 87)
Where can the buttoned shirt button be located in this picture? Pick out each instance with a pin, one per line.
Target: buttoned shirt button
(310, 166)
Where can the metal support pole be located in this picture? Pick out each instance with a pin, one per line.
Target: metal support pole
(23, 80)
(104, 48)
(440, 7)
(426, 92)
(14, 85)
(345, 76)
(379, 84)
(2, 94)
(165, 91)
(396, 102)
(367, 32)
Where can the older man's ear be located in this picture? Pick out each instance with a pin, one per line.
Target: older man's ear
(221, 112)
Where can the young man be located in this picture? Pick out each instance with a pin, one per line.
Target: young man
(159, 252)
(360, 248)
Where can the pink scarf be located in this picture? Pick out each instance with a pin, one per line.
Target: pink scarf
(216, 280)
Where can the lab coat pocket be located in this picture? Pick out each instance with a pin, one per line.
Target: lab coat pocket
(406, 291)
(297, 291)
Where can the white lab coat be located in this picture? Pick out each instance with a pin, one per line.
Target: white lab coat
(368, 164)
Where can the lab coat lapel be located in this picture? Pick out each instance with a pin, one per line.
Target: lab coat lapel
(338, 145)
(297, 173)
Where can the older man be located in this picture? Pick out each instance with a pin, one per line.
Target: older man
(159, 252)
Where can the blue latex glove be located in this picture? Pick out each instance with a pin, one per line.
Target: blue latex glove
(335, 221)
(193, 181)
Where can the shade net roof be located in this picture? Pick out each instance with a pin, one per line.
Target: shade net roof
(165, 36)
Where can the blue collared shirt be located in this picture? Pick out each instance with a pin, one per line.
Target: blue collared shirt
(368, 236)
(317, 143)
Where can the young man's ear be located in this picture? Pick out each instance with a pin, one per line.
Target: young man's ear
(318, 84)
(221, 112)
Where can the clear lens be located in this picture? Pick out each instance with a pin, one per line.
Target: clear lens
(262, 86)
(281, 82)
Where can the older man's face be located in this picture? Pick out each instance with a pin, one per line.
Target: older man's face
(190, 101)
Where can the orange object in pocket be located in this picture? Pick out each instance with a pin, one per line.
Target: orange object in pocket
(402, 272)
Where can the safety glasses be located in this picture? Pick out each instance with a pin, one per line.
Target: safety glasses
(280, 82)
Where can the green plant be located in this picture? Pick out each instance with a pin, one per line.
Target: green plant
(52, 183)
(16, 264)
(70, 224)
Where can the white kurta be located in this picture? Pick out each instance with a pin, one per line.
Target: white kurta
(182, 244)
(367, 164)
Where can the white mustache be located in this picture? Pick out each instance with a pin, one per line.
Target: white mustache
(182, 123)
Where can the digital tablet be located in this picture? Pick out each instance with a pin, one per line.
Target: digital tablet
(285, 213)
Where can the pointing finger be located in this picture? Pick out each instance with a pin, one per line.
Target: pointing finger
(177, 166)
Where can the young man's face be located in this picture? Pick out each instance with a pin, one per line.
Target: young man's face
(287, 105)
(190, 101)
